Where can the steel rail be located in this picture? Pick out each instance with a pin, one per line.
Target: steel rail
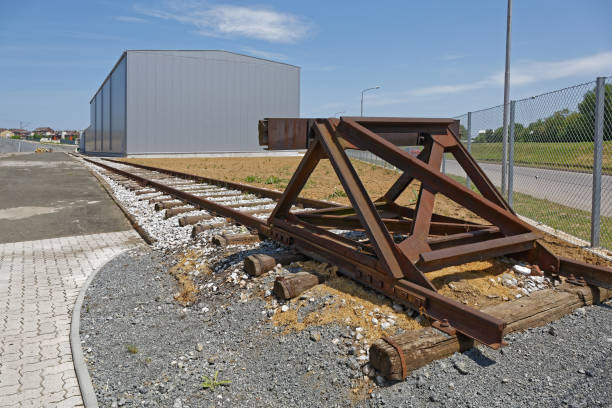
(263, 192)
(246, 220)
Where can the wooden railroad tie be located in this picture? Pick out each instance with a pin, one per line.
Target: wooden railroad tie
(294, 285)
(168, 204)
(258, 264)
(179, 210)
(420, 347)
(199, 228)
(235, 239)
(193, 219)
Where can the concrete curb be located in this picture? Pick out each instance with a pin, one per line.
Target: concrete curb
(80, 367)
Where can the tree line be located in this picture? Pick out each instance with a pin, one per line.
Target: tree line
(562, 126)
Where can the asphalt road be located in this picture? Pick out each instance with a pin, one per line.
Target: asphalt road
(572, 189)
(14, 145)
(49, 195)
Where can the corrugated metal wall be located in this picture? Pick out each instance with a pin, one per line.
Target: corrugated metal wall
(90, 133)
(98, 134)
(117, 112)
(204, 101)
(108, 114)
(189, 102)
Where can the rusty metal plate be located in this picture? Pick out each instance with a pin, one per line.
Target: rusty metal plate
(414, 299)
(284, 133)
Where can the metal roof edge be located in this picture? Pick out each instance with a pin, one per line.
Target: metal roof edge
(123, 54)
(228, 52)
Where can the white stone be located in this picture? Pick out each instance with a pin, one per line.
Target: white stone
(284, 308)
(523, 270)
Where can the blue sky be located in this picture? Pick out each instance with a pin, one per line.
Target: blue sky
(431, 58)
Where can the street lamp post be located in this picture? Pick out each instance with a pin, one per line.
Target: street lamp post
(362, 92)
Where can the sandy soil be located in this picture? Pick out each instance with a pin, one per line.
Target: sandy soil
(275, 173)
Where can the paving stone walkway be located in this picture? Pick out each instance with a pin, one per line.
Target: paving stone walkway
(39, 283)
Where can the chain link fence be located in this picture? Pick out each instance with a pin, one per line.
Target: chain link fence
(553, 160)
(551, 168)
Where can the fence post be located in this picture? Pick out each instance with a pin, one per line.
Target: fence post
(511, 155)
(504, 158)
(597, 161)
(443, 163)
(469, 145)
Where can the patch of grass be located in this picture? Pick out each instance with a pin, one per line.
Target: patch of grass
(212, 383)
(132, 349)
(560, 217)
(571, 220)
(564, 156)
(253, 179)
(336, 194)
(273, 180)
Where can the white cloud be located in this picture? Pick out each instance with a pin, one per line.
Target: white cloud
(597, 64)
(234, 21)
(264, 54)
(528, 72)
(522, 73)
(453, 57)
(129, 19)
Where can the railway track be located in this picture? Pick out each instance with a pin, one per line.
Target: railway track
(363, 244)
(203, 204)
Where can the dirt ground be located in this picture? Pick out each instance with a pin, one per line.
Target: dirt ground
(275, 173)
(477, 284)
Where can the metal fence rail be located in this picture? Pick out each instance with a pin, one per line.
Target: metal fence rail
(559, 163)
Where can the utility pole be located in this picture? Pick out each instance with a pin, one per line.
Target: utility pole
(506, 101)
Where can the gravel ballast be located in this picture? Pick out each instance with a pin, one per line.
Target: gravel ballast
(145, 349)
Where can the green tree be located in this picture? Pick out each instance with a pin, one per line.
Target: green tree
(463, 133)
(587, 108)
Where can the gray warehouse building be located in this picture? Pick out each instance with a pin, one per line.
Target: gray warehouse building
(162, 102)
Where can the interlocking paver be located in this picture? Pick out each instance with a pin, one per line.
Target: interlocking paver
(73, 401)
(39, 283)
(53, 383)
(30, 380)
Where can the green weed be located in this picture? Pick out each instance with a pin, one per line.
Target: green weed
(273, 180)
(212, 383)
(337, 194)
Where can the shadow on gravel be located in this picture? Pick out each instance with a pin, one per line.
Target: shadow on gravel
(605, 305)
(476, 356)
